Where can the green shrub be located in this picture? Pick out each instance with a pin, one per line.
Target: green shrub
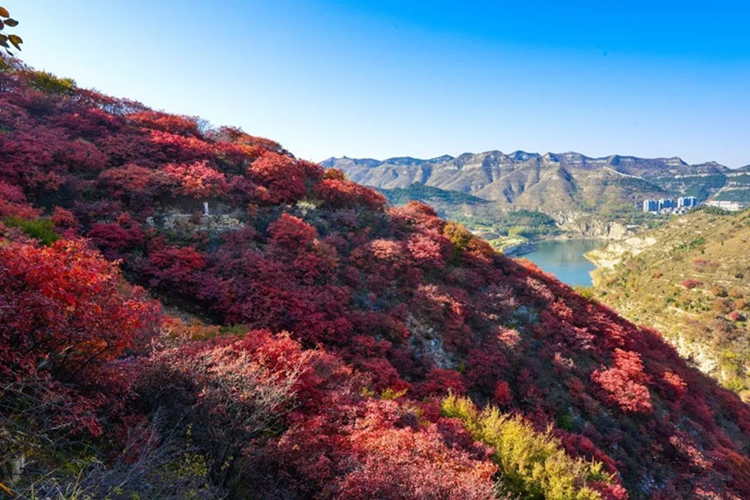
(586, 292)
(533, 465)
(41, 229)
(458, 235)
(50, 84)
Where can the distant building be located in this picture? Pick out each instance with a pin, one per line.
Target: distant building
(665, 203)
(669, 205)
(730, 206)
(650, 205)
(687, 202)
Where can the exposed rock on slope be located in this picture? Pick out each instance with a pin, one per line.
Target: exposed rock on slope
(591, 226)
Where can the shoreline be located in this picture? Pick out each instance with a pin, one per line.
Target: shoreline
(529, 246)
(519, 249)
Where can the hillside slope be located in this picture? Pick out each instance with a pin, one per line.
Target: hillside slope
(690, 280)
(319, 343)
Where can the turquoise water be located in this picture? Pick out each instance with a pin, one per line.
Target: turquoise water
(565, 260)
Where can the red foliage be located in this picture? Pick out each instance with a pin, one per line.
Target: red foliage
(673, 385)
(83, 156)
(197, 180)
(64, 219)
(624, 383)
(405, 464)
(503, 395)
(182, 149)
(440, 382)
(430, 250)
(65, 315)
(282, 179)
(131, 179)
(292, 233)
(13, 203)
(236, 136)
(114, 238)
(486, 368)
(417, 214)
(174, 124)
(175, 268)
(690, 283)
(343, 194)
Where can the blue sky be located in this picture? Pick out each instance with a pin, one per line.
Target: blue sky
(392, 78)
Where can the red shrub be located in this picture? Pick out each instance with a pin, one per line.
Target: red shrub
(406, 464)
(131, 179)
(13, 203)
(429, 250)
(174, 124)
(197, 180)
(624, 383)
(65, 315)
(292, 233)
(182, 149)
(343, 194)
(503, 395)
(175, 268)
(281, 178)
(439, 382)
(64, 219)
(690, 283)
(81, 155)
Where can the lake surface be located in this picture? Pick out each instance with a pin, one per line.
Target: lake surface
(565, 259)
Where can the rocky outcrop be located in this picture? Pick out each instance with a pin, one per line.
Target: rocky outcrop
(519, 249)
(589, 226)
(191, 222)
(614, 253)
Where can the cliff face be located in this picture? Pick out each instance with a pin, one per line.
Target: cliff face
(609, 257)
(589, 226)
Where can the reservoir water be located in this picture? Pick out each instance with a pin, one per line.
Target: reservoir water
(565, 259)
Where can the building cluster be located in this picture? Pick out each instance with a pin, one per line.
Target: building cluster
(669, 205)
(730, 206)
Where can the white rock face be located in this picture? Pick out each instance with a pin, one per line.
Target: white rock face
(614, 253)
(590, 227)
(188, 222)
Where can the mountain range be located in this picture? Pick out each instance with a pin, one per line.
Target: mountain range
(549, 183)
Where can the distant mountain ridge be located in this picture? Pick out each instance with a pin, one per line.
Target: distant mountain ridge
(550, 182)
(629, 165)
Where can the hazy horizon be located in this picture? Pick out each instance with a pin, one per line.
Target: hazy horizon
(332, 78)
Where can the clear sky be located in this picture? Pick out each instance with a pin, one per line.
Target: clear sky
(399, 77)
